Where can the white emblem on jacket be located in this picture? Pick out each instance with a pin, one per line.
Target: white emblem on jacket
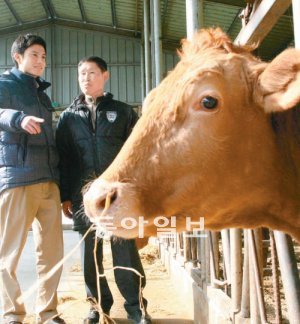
(111, 116)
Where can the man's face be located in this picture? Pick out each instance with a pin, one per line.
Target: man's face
(91, 79)
(33, 61)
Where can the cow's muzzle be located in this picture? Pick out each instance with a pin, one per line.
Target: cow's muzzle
(98, 198)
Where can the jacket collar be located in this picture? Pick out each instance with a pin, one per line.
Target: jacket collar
(80, 103)
(30, 80)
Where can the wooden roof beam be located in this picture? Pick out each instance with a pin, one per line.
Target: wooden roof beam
(236, 18)
(113, 13)
(262, 21)
(13, 12)
(82, 11)
(136, 15)
(48, 7)
(164, 17)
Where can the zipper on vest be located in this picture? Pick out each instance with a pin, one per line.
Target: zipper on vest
(88, 121)
(94, 132)
(24, 146)
(46, 137)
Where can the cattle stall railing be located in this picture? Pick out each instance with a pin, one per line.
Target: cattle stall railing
(256, 270)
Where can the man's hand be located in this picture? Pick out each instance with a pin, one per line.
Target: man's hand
(32, 125)
(67, 209)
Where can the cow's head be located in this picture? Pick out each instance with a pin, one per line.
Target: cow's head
(205, 145)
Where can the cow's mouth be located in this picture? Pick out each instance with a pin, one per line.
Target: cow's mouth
(104, 230)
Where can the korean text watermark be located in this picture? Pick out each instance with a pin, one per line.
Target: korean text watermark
(164, 225)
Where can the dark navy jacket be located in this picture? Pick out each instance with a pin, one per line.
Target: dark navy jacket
(25, 159)
(86, 152)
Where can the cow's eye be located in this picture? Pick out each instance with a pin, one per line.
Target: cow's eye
(209, 102)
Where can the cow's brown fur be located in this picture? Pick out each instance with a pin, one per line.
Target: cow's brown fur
(237, 165)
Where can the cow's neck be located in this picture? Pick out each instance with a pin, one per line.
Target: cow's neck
(286, 126)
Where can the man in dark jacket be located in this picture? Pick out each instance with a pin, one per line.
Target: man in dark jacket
(90, 133)
(29, 195)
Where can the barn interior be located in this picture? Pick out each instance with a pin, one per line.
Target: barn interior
(139, 40)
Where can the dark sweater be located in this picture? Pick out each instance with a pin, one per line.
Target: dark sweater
(85, 152)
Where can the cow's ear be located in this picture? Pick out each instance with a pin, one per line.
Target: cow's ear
(278, 86)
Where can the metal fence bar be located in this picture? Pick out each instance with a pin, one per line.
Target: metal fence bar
(245, 304)
(257, 276)
(289, 275)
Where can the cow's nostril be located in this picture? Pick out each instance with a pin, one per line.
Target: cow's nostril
(101, 204)
(104, 203)
(113, 197)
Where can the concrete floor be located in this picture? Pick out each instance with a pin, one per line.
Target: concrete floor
(72, 293)
(26, 272)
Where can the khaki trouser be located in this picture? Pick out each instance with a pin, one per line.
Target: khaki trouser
(38, 206)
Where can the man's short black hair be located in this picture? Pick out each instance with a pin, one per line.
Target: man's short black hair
(95, 59)
(22, 42)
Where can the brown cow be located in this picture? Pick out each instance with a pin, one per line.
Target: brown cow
(217, 140)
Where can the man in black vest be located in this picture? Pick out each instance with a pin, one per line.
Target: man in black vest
(90, 133)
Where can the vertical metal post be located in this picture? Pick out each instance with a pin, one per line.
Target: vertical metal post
(255, 248)
(245, 303)
(152, 49)
(157, 41)
(275, 279)
(296, 15)
(289, 275)
(53, 74)
(214, 257)
(194, 16)
(236, 269)
(147, 47)
(207, 257)
(201, 258)
(142, 72)
(178, 251)
(187, 248)
(254, 310)
(194, 251)
(215, 241)
(200, 14)
(226, 253)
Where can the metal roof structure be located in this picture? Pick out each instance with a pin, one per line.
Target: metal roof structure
(126, 18)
